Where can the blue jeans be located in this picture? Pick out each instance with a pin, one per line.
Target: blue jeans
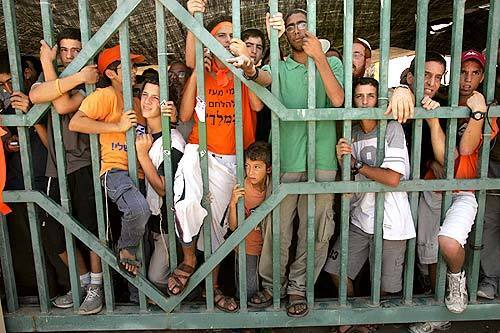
(131, 203)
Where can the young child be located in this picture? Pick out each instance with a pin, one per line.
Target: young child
(102, 112)
(150, 155)
(257, 169)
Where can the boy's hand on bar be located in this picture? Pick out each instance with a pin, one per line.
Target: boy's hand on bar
(276, 22)
(401, 105)
(127, 120)
(194, 6)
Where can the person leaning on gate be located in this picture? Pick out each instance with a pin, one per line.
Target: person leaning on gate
(150, 155)
(102, 112)
(218, 113)
(398, 224)
(460, 217)
(66, 95)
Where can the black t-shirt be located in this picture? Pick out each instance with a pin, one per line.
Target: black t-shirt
(38, 153)
(154, 220)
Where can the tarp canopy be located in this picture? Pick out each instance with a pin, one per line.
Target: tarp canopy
(329, 22)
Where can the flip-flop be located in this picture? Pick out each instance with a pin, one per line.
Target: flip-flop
(177, 278)
(299, 301)
(132, 262)
(264, 301)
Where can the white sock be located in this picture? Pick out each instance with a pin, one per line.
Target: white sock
(96, 278)
(85, 279)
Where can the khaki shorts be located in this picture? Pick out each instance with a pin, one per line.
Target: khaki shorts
(361, 248)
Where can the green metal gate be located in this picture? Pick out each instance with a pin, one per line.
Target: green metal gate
(171, 312)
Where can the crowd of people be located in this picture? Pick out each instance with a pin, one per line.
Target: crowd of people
(141, 209)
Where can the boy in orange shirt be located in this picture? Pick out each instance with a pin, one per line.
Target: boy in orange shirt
(257, 169)
(102, 112)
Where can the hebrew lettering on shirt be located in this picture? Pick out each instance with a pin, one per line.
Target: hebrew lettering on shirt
(118, 146)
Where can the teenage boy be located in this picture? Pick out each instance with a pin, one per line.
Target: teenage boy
(66, 95)
(257, 169)
(361, 57)
(398, 223)
(102, 112)
(150, 155)
(459, 219)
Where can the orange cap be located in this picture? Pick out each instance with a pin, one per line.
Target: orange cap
(108, 56)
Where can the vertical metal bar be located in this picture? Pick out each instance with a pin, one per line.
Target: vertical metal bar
(45, 7)
(421, 39)
(311, 159)
(24, 143)
(275, 134)
(489, 89)
(385, 22)
(83, 10)
(165, 125)
(242, 263)
(451, 130)
(7, 266)
(202, 134)
(128, 104)
(346, 161)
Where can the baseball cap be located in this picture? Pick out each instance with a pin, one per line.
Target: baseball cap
(108, 56)
(474, 55)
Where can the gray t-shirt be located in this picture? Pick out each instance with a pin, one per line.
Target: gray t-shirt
(77, 145)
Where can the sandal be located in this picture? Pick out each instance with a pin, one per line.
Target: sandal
(181, 280)
(223, 302)
(293, 303)
(261, 299)
(123, 262)
(353, 329)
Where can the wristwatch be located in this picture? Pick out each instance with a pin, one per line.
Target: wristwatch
(253, 77)
(356, 167)
(477, 115)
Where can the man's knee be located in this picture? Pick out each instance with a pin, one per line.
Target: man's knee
(450, 247)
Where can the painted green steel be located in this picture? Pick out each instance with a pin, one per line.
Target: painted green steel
(311, 159)
(203, 152)
(128, 104)
(165, 124)
(322, 312)
(7, 267)
(476, 244)
(109, 297)
(45, 8)
(325, 313)
(24, 144)
(240, 172)
(346, 161)
(276, 163)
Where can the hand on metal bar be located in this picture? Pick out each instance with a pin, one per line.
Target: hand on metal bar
(401, 105)
(194, 6)
(276, 22)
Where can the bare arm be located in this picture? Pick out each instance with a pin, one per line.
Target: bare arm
(238, 192)
(41, 130)
(83, 124)
(333, 89)
(471, 139)
(255, 102)
(190, 50)
(384, 176)
(438, 139)
(186, 108)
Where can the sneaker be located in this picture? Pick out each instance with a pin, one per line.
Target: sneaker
(429, 327)
(456, 299)
(486, 290)
(66, 301)
(93, 301)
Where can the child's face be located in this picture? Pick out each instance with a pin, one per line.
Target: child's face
(150, 101)
(256, 171)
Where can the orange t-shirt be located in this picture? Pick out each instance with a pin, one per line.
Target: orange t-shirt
(220, 118)
(466, 165)
(253, 199)
(107, 106)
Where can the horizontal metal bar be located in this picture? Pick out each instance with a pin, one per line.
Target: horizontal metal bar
(325, 313)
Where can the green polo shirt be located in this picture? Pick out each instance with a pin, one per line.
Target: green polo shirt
(293, 134)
